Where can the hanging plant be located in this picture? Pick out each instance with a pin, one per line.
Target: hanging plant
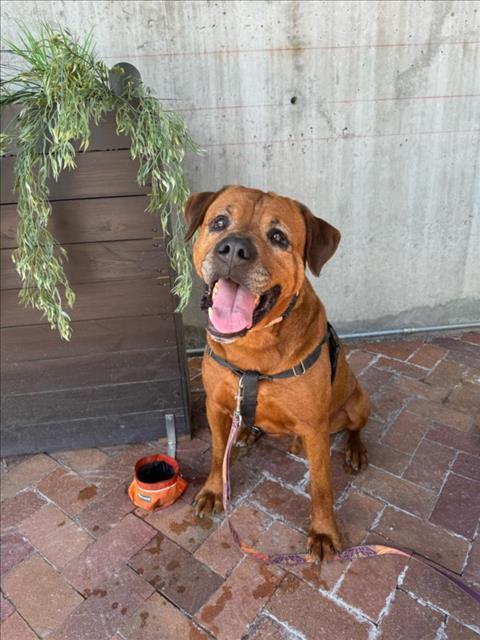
(62, 89)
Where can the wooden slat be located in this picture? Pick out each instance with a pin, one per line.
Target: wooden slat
(90, 402)
(100, 262)
(92, 432)
(96, 220)
(182, 361)
(98, 300)
(89, 337)
(99, 174)
(88, 371)
(102, 137)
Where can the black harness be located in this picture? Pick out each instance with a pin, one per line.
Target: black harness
(250, 379)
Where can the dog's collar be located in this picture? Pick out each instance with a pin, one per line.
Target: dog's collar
(249, 379)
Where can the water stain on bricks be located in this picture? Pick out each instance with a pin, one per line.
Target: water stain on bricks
(310, 573)
(157, 582)
(87, 493)
(143, 617)
(225, 545)
(180, 588)
(195, 634)
(173, 564)
(266, 588)
(99, 592)
(290, 584)
(157, 546)
(273, 502)
(181, 527)
(114, 605)
(213, 610)
(61, 524)
(124, 610)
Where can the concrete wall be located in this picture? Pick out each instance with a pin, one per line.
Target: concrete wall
(368, 112)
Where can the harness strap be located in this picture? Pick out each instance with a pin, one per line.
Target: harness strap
(249, 402)
(298, 370)
(250, 379)
(333, 349)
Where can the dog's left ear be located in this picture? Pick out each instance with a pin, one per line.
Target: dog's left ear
(196, 208)
(321, 242)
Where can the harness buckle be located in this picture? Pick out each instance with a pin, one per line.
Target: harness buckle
(239, 398)
(300, 364)
(256, 431)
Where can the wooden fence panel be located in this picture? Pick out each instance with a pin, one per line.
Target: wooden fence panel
(124, 368)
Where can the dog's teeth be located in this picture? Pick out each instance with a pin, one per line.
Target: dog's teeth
(215, 289)
(210, 312)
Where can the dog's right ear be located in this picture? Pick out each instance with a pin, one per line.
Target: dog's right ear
(195, 209)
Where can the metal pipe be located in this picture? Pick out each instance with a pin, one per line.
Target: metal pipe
(383, 332)
(409, 330)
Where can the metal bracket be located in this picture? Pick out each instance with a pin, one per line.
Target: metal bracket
(171, 434)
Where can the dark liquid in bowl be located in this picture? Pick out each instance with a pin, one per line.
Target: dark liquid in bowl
(155, 472)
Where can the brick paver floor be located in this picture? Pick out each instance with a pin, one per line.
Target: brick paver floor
(79, 562)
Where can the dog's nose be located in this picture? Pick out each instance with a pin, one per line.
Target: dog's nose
(236, 250)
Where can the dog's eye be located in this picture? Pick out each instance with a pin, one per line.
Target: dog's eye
(219, 223)
(278, 238)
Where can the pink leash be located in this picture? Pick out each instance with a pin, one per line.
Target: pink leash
(361, 551)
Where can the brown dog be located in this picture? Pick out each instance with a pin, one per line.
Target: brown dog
(252, 251)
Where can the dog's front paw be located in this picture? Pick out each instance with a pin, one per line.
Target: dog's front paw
(324, 546)
(207, 502)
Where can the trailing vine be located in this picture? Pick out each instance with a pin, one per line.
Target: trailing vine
(62, 89)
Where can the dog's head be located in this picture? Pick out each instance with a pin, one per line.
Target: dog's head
(251, 252)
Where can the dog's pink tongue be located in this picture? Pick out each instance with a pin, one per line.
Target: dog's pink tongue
(232, 308)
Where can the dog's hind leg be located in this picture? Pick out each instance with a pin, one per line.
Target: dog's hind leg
(295, 446)
(246, 437)
(357, 410)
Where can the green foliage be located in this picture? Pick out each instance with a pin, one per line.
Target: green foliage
(62, 89)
